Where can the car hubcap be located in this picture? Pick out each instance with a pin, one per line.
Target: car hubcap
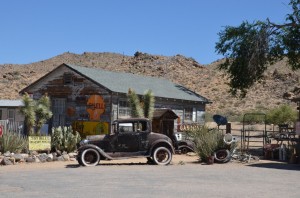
(161, 156)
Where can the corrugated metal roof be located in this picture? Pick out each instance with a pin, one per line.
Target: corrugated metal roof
(11, 103)
(121, 82)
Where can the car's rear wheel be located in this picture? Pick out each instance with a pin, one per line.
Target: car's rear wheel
(184, 150)
(162, 156)
(89, 157)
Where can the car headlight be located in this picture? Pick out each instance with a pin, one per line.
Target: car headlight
(83, 142)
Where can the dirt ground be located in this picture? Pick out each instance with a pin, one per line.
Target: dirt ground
(177, 160)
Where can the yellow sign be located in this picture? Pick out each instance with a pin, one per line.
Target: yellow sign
(37, 143)
(91, 128)
(95, 107)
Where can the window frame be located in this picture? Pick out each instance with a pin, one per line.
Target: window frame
(124, 111)
(188, 114)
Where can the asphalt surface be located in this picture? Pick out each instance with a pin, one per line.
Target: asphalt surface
(268, 179)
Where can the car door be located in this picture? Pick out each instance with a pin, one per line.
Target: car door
(128, 138)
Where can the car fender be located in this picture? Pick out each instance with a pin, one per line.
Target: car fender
(97, 148)
(161, 143)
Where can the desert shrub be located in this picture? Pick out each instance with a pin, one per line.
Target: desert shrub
(283, 114)
(13, 142)
(253, 118)
(207, 141)
(63, 139)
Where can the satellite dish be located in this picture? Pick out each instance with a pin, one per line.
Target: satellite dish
(220, 120)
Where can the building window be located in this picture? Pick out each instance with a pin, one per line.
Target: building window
(58, 109)
(124, 109)
(67, 78)
(0, 114)
(11, 115)
(188, 114)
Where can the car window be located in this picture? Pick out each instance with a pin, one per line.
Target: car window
(125, 127)
(141, 126)
(132, 127)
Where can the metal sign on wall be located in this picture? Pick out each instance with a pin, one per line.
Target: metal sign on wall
(86, 128)
(95, 107)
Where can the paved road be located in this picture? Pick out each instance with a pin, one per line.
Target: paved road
(141, 180)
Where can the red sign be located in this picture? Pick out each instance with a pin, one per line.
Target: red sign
(1, 130)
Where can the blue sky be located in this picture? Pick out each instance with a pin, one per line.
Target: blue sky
(35, 30)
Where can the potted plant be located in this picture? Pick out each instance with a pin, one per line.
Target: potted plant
(206, 142)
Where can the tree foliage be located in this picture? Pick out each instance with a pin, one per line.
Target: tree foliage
(148, 104)
(141, 108)
(134, 103)
(284, 114)
(36, 113)
(29, 114)
(250, 47)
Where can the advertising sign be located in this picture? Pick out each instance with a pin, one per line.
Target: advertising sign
(85, 128)
(95, 107)
(37, 143)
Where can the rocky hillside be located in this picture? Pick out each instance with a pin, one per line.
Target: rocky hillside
(206, 80)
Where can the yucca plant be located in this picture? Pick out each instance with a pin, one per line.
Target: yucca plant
(13, 142)
(134, 102)
(29, 113)
(144, 108)
(42, 112)
(36, 113)
(148, 104)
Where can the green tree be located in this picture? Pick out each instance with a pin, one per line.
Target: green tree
(42, 112)
(284, 114)
(134, 103)
(28, 111)
(250, 47)
(36, 113)
(148, 104)
(141, 108)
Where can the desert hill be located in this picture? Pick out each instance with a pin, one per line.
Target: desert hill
(206, 80)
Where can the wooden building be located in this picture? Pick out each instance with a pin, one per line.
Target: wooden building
(10, 116)
(90, 99)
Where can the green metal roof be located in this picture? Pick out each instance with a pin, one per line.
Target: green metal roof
(121, 82)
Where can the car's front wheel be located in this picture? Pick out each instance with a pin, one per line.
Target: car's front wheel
(162, 156)
(89, 157)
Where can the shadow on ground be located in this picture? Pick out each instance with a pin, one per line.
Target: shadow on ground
(276, 165)
(110, 164)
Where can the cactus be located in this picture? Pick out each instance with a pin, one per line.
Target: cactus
(64, 139)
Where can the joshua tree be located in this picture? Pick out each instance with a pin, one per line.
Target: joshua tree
(28, 111)
(36, 113)
(144, 108)
(42, 112)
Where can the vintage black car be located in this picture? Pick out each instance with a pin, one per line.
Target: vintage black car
(129, 138)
